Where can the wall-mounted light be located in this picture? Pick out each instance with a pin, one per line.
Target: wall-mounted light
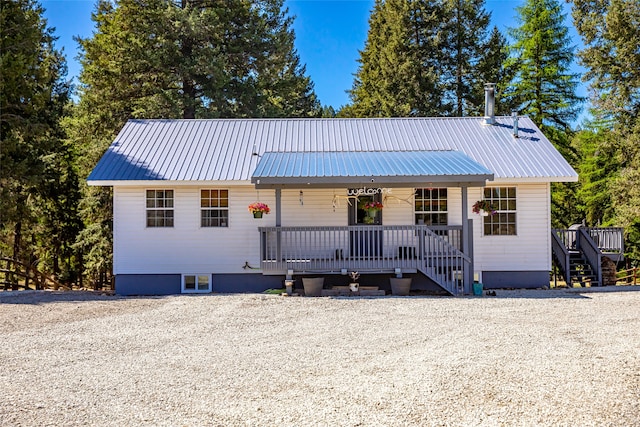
(301, 198)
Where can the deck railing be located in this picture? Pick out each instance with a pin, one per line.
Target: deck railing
(591, 252)
(591, 242)
(608, 239)
(561, 253)
(370, 248)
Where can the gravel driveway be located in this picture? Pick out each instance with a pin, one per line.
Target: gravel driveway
(529, 358)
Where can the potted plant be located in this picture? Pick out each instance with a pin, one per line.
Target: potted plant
(354, 286)
(484, 208)
(258, 209)
(371, 208)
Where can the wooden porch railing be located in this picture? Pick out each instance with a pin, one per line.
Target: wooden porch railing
(435, 251)
(591, 242)
(591, 252)
(560, 251)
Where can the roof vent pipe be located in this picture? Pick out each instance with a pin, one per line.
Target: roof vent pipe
(489, 103)
(514, 114)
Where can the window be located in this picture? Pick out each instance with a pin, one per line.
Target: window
(214, 208)
(431, 206)
(196, 283)
(503, 223)
(159, 208)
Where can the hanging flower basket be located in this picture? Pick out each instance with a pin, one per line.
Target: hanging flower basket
(484, 208)
(373, 207)
(258, 209)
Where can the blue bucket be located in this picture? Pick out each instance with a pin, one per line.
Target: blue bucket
(477, 289)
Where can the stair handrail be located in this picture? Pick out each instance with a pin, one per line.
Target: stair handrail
(561, 252)
(592, 252)
(451, 251)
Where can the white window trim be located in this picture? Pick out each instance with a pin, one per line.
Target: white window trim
(429, 212)
(195, 291)
(502, 236)
(228, 208)
(146, 209)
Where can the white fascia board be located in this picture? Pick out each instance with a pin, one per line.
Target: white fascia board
(163, 183)
(537, 180)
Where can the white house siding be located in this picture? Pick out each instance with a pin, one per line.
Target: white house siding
(530, 250)
(189, 248)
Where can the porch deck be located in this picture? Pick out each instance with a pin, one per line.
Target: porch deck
(433, 251)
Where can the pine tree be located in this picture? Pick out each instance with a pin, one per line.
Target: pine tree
(544, 87)
(178, 59)
(610, 30)
(493, 67)
(398, 73)
(463, 49)
(37, 218)
(422, 58)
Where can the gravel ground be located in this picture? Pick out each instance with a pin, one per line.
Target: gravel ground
(521, 358)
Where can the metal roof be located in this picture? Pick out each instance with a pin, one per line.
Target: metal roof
(382, 168)
(223, 149)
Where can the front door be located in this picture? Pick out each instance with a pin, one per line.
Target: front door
(366, 240)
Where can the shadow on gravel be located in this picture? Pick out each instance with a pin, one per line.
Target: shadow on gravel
(560, 293)
(44, 297)
(570, 293)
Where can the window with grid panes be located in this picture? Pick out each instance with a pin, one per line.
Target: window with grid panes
(214, 208)
(159, 208)
(430, 206)
(503, 223)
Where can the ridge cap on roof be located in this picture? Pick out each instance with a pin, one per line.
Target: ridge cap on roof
(319, 119)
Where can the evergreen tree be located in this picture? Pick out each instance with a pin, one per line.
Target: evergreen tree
(610, 30)
(398, 73)
(493, 67)
(544, 87)
(423, 58)
(463, 50)
(38, 191)
(178, 59)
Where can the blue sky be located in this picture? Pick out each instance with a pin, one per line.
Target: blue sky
(329, 34)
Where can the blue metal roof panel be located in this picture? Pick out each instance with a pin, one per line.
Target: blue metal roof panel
(288, 167)
(221, 149)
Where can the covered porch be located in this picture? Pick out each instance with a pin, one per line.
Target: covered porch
(443, 253)
(433, 251)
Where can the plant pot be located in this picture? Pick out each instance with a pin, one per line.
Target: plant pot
(312, 286)
(289, 286)
(484, 213)
(477, 289)
(257, 214)
(400, 287)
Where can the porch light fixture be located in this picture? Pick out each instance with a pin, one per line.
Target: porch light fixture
(301, 198)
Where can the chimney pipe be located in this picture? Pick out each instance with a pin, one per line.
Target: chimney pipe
(514, 114)
(489, 103)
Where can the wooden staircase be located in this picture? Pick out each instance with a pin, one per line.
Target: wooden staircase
(578, 252)
(581, 271)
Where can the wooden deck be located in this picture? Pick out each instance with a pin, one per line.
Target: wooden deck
(434, 251)
(578, 252)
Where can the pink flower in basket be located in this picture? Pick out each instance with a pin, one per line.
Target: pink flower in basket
(259, 207)
(373, 206)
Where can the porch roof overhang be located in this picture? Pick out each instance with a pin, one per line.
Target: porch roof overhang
(382, 169)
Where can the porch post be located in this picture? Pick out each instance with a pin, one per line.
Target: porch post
(468, 272)
(278, 224)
